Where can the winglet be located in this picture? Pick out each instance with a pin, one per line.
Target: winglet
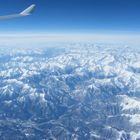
(28, 11)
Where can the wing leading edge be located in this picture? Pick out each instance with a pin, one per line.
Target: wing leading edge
(26, 12)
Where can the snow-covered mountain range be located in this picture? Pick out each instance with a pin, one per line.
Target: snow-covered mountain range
(71, 91)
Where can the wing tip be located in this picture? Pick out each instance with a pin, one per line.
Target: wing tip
(29, 10)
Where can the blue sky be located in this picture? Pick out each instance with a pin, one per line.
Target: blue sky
(73, 16)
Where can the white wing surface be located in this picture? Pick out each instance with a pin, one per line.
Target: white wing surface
(26, 12)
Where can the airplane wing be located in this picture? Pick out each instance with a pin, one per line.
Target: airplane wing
(26, 12)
